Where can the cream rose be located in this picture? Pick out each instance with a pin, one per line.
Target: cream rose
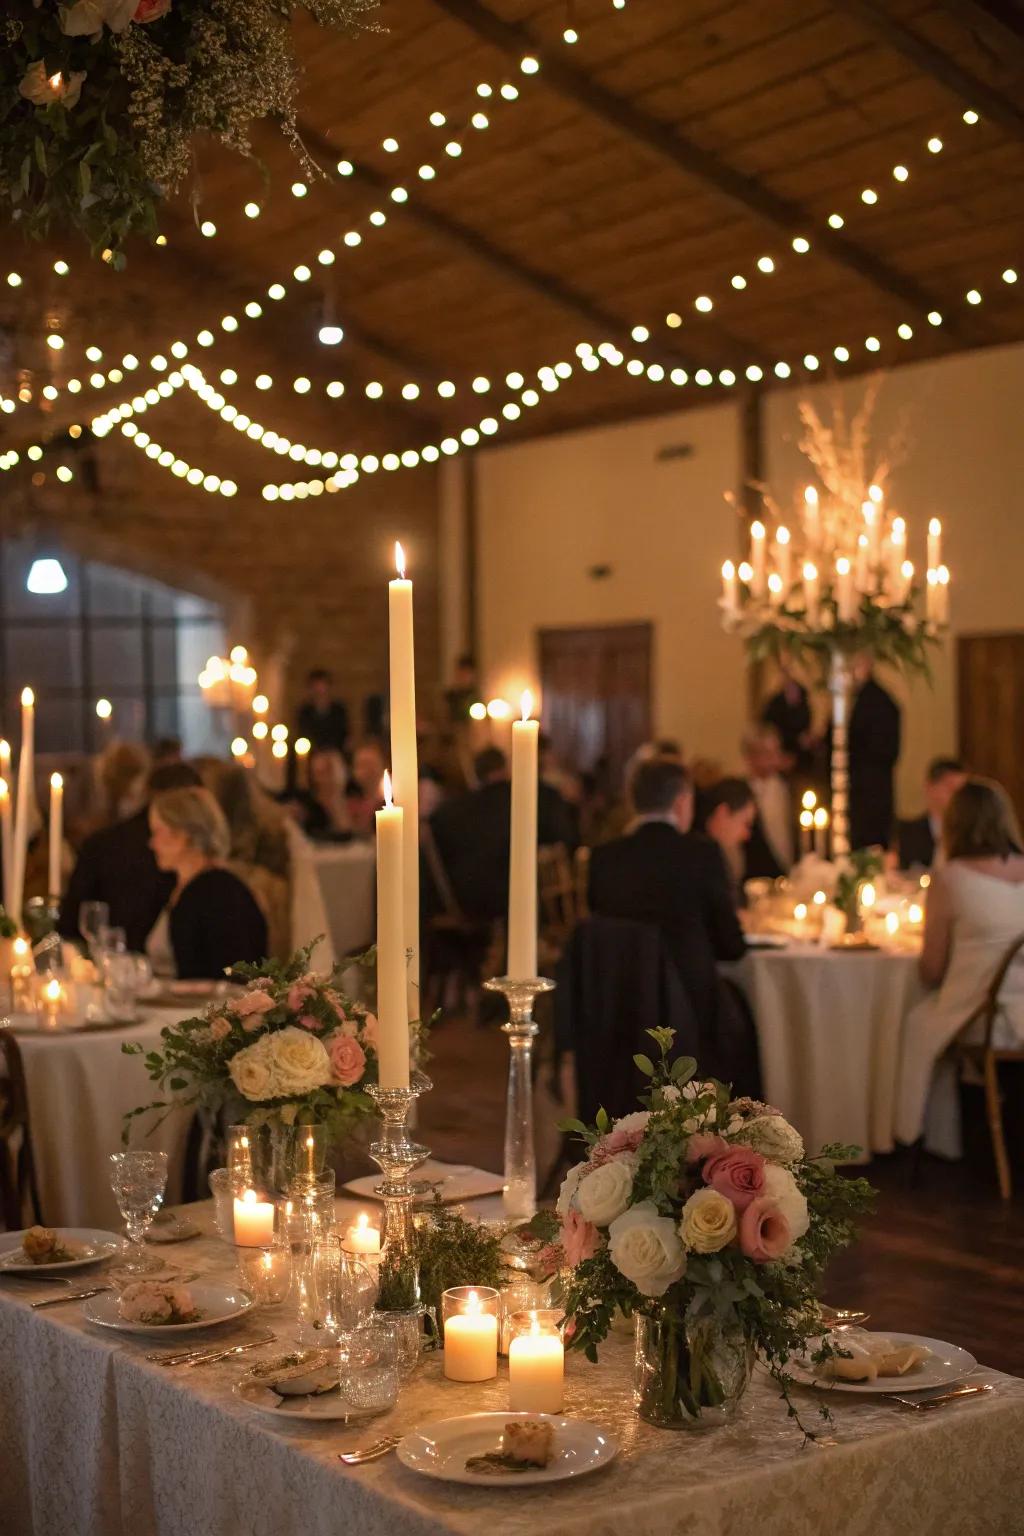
(645, 1247)
(252, 1071)
(604, 1194)
(300, 1062)
(773, 1137)
(708, 1221)
(781, 1187)
(570, 1184)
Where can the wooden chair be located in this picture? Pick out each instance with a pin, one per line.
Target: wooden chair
(557, 890)
(17, 1168)
(985, 1058)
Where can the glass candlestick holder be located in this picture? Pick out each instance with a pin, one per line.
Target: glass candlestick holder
(398, 1155)
(520, 1192)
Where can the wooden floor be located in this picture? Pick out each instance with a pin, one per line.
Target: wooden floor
(943, 1256)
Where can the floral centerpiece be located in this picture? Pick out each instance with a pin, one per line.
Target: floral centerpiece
(101, 101)
(703, 1218)
(290, 1048)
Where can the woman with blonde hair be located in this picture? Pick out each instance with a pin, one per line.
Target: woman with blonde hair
(975, 912)
(212, 920)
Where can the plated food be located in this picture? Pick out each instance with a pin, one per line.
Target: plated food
(890, 1362)
(298, 1374)
(501, 1450)
(526, 1444)
(50, 1250)
(161, 1303)
(212, 1301)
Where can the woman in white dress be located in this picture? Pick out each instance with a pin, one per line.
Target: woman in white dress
(975, 912)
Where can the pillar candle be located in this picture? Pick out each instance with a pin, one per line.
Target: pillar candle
(846, 598)
(56, 833)
(7, 834)
(392, 998)
(906, 581)
(934, 544)
(783, 558)
(362, 1238)
(405, 767)
(730, 591)
(254, 1221)
(536, 1372)
(758, 543)
(522, 883)
(811, 593)
(471, 1346)
(23, 807)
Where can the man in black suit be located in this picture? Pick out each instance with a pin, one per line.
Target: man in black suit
(874, 748)
(664, 874)
(471, 835)
(322, 719)
(918, 841)
(116, 865)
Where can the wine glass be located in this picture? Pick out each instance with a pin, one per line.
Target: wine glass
(343, 1291)
(372, 1372)
(139, 1180)
(93, 918)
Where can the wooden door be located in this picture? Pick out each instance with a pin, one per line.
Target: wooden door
(990, 697)
(597, 693)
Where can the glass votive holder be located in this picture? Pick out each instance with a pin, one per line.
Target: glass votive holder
(371, 1369)
(523, 1294)
(266, 1273)
(470, 1320)
(239, 1152)
(305, 1158)
(536, 1361)
(223, 1204)
(363, 1240)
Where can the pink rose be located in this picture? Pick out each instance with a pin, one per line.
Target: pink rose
(370, 1031)
(307, 1021)
(219, 1028)
(151, 10)
(348, 1059)
(764, 1231)
(579, 1238)
(252, 1003)
(614, 1145)
(298, 994)
(702, 1145)
(737, 1174)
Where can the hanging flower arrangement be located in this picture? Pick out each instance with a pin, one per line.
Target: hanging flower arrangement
(100, 101)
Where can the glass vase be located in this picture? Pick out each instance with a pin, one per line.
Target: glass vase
(688, 1373)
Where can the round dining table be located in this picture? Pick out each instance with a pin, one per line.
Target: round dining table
(830, 1032)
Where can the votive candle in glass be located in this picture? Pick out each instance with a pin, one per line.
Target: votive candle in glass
(254, 1220)
(470, 1315)
(536, 1364)
(266, 1273)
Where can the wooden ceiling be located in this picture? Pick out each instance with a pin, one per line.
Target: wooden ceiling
(671, 147)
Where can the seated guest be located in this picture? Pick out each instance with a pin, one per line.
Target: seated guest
(212, 919)
(112, 790)
(975, 911)
(471, 836)
(364, 791)
(117, 866)
(260, 850)
(918, 841)
(322, 810)
(725, 813)
(662, 873)
(322, 719)
(770, 850)
(788, 710)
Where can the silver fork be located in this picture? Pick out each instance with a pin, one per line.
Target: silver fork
(369, 1452)
(55, 1301)
(209, 1352)
(937, 1399)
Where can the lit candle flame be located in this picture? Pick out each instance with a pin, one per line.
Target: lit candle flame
(810, 571)
(400, 560)
(389, 799)
(56, 781)
(28, 698)
(728, 570)
(4, 791)
(249, 1197)
(875, 492)
(800, 911)
(362, 1221)
(526, 703)
(811, 496)
(782, 535)
(746, 572)
(55, 82)
(843, 566)
(757, 529)
(774, 583)
(473, 1302)
(935, 527)
(907, 570)
(52, 991)
(809, 800)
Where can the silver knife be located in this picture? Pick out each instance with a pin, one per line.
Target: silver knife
(208, 1352)
(937, 1399)
(56, 1301)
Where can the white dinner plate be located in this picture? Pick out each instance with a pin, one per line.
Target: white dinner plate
(322, 1408)
(441, 1450)
(456, 1181)
(217, 1301)
(948, 1364)
(99, 1245)
(177, 1230)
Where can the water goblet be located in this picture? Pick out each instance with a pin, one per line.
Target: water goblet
(139, 1180)
(343, 1291)
(372, 1371)
(93, 918)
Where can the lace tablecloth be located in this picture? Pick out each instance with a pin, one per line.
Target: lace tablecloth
(96, 1441)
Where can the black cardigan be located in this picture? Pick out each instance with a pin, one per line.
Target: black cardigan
(214, 923)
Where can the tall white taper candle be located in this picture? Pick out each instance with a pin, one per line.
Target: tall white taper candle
(56, 833)
(7, 833)
(522, 882)
(392, 999)
(25, 801)
(405, 766)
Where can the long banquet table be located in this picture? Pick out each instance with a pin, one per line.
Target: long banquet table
(830, 1030)
(96, 1441)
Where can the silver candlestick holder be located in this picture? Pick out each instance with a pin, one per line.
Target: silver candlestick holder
(398, 1155)
(520, 1193)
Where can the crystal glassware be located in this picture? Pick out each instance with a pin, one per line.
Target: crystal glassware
(266, 1273)
(223, 1204)
(398, 1155)
(139, 1180)
(343, 1291)
(520, 1193)
(120, 984)
(93, 918)
(371, 1372)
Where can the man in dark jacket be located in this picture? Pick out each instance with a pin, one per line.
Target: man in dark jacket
(116, 865)
(917, 841)
(874, 750)
(322, 719)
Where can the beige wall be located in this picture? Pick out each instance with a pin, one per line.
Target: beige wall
(964, 424)
(547, 511)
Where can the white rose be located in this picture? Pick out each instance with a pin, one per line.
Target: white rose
(781, 1187)
(570, 1184)
(300, 1060)
(252, 1071)
(645, 1247)
(604, 1193)
(773, 1137)
(637, 1121)
(708, 1221)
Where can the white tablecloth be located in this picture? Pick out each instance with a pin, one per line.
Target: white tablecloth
(334, 892)
(80, 1086)
(829, 1027)
(96, 1441)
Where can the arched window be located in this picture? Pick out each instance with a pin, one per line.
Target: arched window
(77, 631)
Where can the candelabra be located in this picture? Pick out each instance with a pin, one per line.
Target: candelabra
(520, 1195)
(398, 1155)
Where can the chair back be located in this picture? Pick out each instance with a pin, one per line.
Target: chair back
(18, 1188)
(557, 891)
(1012, 956)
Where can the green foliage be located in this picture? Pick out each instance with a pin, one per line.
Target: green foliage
(863, 864)
(453, 1251)
(891, 634)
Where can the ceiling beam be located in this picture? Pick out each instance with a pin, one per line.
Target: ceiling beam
(729, 351)
(999, 27)
(668, 144)
(931, 60)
